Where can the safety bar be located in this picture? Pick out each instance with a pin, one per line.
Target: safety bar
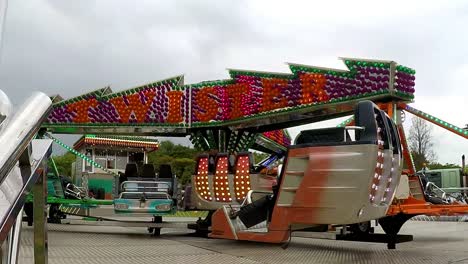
(352, 128)
(248, 197)
(144, 185)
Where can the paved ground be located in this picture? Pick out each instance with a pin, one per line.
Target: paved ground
(435, 242)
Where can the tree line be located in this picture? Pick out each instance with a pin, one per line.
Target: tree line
(181, 158)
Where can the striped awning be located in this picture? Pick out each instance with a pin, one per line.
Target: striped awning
(118, 141)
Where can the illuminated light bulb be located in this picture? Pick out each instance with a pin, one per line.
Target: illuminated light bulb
(242, 187)
(237, 177)
(242, 182)
(237, 194)
(216, 188)
(242, 177)
(224, 199)
(248, 182)
(216, 177)
(217, 194)
(373, 186)
(243, 192)
(222, 189)
(237, 188)
(376, 175)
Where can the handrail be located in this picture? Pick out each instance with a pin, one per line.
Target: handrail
(20, 130)
(23, 162)
(431, 186)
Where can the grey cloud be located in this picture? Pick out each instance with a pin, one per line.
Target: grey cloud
(72, 47)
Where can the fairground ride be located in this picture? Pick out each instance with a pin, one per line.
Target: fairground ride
(226, 118)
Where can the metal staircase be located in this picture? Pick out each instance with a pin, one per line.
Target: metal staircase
(415, 188)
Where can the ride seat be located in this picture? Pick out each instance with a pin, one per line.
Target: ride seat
(147, 172)
(131, 170)
(165, 175)
(323, 135)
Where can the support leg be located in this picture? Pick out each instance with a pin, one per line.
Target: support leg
(392, 225)
(156, 231)
(40, 228)
(203, 225)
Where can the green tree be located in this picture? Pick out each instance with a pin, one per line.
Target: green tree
(64, 163)
(181, 159)
(259, 156)
(184, 169)
(436, 165)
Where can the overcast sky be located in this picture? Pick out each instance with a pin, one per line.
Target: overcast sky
(72, 47)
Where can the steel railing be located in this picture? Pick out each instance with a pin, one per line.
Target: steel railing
(23, 165)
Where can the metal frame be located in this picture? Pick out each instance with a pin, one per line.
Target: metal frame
(23, 166)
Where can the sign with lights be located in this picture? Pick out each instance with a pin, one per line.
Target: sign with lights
(246, 95)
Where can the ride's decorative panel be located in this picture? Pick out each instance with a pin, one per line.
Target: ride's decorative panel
(201, 179)
(242, 177)
(247, 95)
(221, 182)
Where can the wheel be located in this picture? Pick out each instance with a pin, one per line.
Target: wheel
(150, 230)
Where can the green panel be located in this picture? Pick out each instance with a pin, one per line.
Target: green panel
(101, 183)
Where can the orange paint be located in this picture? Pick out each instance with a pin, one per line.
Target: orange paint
(175, 106)
(81, 108)
(417, 207)
(306, 199)
(236, 92)
(208, 105)
(313, 88)
(135, 105)
(221, 227)
(271, 89)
